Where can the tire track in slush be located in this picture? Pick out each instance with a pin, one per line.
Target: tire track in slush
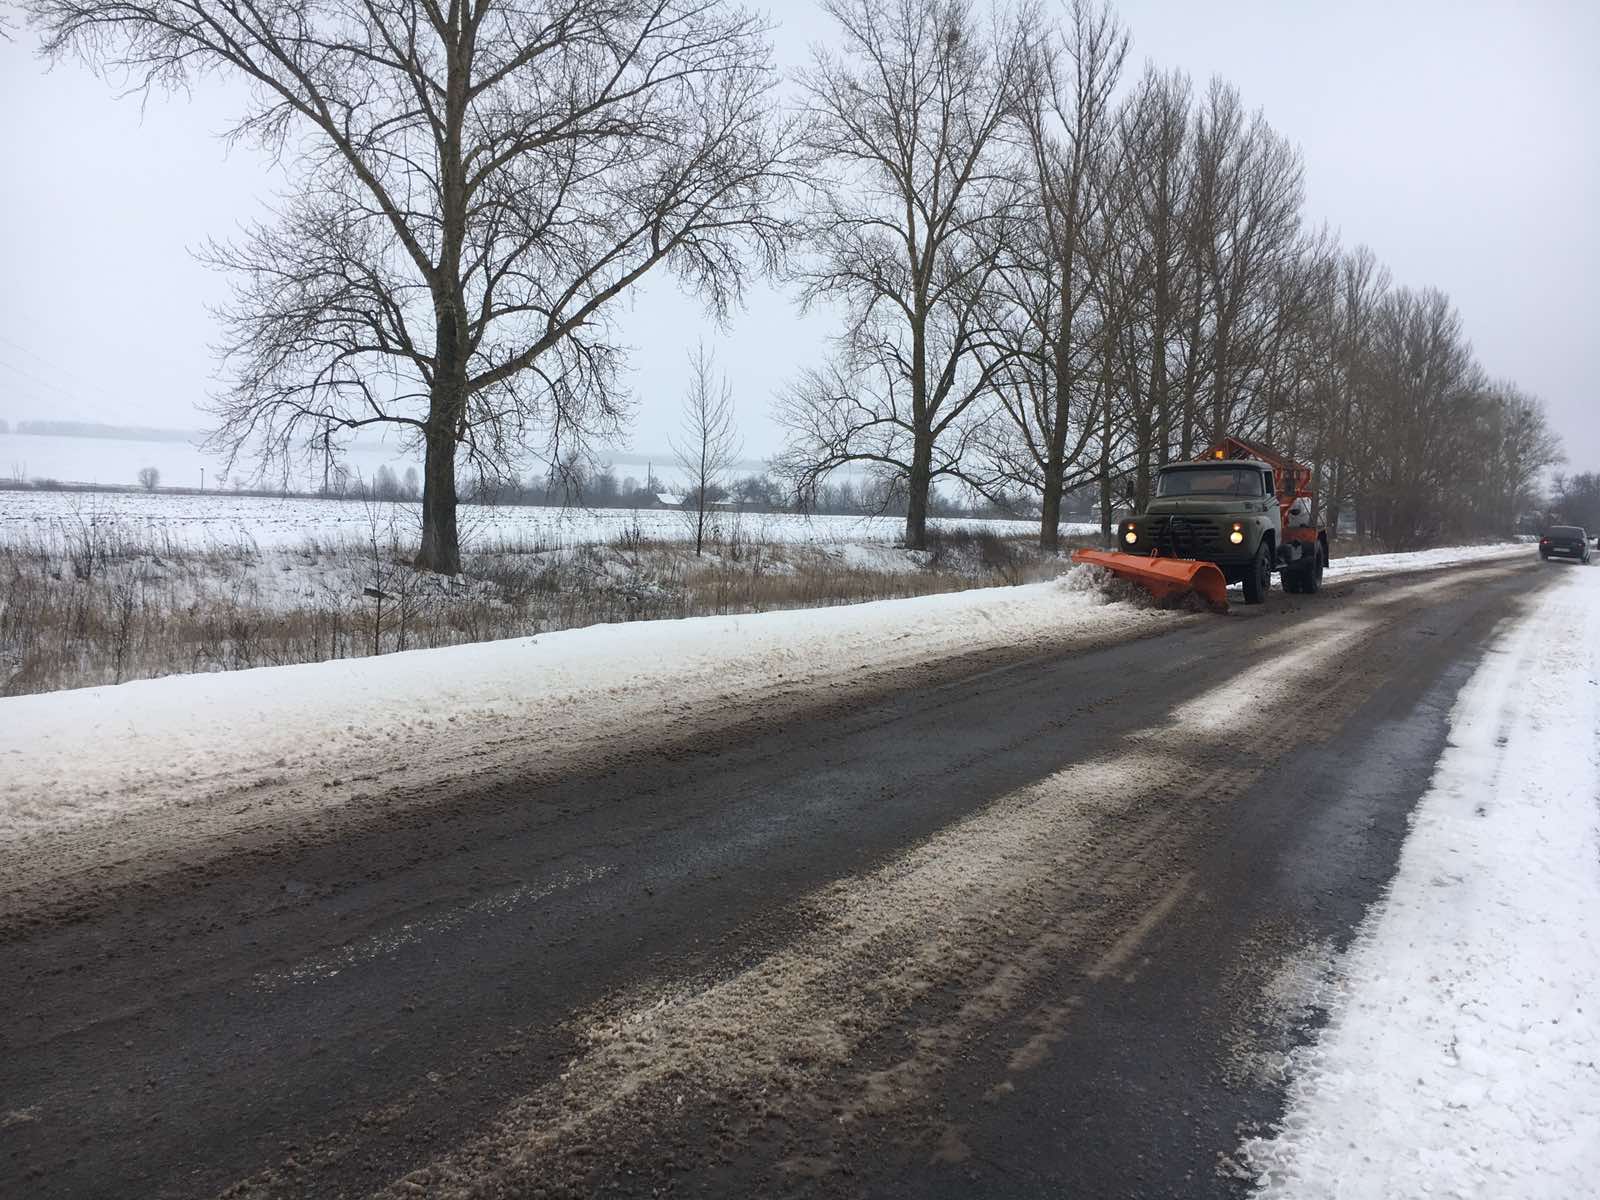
(1063, 869)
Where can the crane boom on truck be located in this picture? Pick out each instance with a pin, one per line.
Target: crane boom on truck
(1236, 514)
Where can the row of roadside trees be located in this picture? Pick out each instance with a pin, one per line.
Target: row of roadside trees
(1058, 278)
(1051, 276)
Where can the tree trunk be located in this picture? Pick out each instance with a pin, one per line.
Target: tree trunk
(1055, 469)
(1220, 400)
(918, 483)
(1158, 389)
(441, 547)
(1160, 393)
(1105, 506)
(1105, 447)
(1141, 478)
(1050, 514)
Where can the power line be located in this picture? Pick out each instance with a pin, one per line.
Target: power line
(44, 383)
(54, 368)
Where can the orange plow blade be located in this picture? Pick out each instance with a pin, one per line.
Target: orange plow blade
(1164, 578)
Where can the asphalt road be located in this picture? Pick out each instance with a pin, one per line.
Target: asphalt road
(1014, 924)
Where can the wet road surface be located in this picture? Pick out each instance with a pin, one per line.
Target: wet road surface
(1018, 924)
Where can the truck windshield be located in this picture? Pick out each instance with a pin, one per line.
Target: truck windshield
(1210, 481)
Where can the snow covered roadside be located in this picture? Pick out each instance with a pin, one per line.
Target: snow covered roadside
(311, 737)
(1462, 1055)
(76, 757)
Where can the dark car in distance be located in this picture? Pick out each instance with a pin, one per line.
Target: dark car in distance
(1564, 541)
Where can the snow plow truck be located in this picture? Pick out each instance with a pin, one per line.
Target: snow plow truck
(1236, 514)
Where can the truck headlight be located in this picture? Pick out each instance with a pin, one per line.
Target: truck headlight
(1236, 537)
(1131, 536)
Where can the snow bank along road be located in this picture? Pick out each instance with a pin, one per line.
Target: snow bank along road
(1023, 916)
(1462, 1057)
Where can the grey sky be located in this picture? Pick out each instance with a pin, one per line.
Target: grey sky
(1459, 139)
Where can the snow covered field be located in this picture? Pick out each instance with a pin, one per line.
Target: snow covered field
(224, 522)
(1462, 1057)
(105, 588)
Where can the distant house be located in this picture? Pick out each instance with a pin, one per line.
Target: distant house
(675, 500)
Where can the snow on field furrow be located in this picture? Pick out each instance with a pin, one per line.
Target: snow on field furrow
(241, 523)
(1462, 1056)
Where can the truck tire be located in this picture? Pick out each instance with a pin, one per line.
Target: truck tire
(1311, 577)
(1258, 580)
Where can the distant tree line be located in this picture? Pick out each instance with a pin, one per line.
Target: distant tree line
(95, 429)
(1574, 501)
(340, 483)
(579, 485)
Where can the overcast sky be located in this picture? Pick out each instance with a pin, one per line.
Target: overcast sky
(1460, 139)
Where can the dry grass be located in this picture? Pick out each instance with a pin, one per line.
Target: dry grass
(88, 604)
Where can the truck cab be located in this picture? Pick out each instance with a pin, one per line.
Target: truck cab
(1237, 511)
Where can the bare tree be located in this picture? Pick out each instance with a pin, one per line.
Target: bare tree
(1420, 379)
(474, 183)
(904, 234)
(1576, 498)
(1362, 284)
(1062, 107)
(1149, 219)
(149, 478)
(1271, 360)
(1521, 447)
(709, 445)
(1251, 182)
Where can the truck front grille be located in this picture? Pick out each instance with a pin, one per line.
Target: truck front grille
(1185, 537)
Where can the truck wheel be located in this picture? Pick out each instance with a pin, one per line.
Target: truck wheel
(1311, 577)
(1258, 580)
